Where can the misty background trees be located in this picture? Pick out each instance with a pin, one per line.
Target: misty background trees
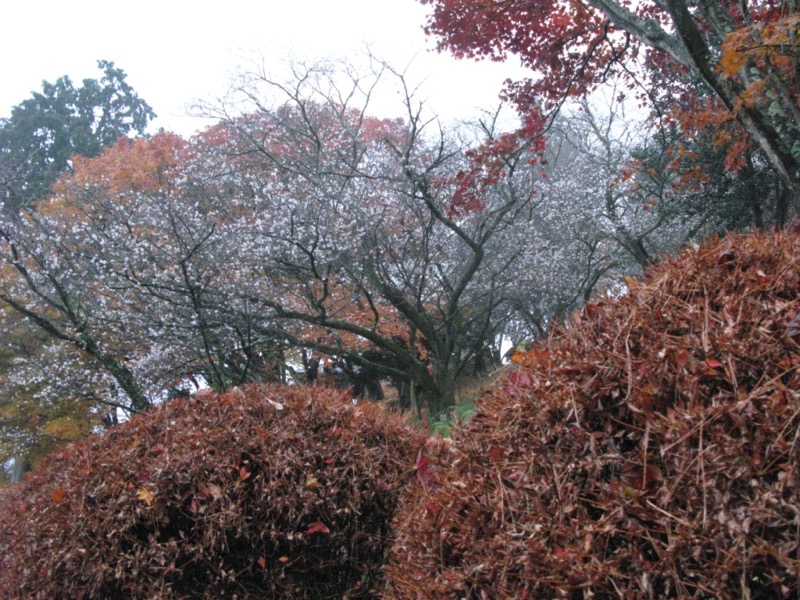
(307, 230)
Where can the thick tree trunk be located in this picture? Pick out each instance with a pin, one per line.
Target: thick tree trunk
(127, 381)
(121, 374)
(438, 391)
(21, 466)
(84, 342)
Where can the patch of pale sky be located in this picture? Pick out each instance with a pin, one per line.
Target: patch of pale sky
(177, 53)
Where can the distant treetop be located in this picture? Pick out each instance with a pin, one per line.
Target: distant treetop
(43, 133)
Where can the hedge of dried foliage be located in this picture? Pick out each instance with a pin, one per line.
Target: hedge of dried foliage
(648, 449)
(266, 493)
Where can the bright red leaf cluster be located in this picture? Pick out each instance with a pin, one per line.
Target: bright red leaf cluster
(566, 40)
(489, 164)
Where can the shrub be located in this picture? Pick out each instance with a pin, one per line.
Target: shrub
(261, 493)
(649, 448)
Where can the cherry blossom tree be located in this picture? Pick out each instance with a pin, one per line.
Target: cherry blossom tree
(300, 225)
(364, 231)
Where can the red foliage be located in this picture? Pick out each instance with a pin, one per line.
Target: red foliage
(488, 164)
(549, 37)
(648, 449)
(573, 45)
(265, 492)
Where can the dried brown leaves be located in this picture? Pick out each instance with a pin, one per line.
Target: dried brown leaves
(263, 492)
(649, 449)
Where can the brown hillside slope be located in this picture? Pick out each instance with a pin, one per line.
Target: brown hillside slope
(648, 449)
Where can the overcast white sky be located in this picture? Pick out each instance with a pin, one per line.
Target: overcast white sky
(176, 51)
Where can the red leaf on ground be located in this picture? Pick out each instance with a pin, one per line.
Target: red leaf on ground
(682, 358)
(317, 527)
(425, 476)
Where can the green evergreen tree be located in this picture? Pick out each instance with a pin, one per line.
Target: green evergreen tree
(46, 130)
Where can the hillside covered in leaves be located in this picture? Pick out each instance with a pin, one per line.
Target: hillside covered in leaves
(648, 448)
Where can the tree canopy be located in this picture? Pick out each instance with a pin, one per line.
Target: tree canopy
(304, 230)
(725, 67)
(39, 139)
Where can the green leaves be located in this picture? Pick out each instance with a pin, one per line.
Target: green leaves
(43, 133)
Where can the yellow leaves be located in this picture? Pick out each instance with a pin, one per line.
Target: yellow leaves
(212, 490)
(66, 428)
(531, 357)
(754, 92)
(312, 482)
(273, 404)
(632, 283)
(763, 45)
(131, 165)
(8, 411)
(732, 61)
(146, 495)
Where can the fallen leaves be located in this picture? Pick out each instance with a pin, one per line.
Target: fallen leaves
(212, 490)
(422, 467)
(793, 328)
(317, 527)
(193, 476)
(312, 482)
(640, 421)
(146, 496)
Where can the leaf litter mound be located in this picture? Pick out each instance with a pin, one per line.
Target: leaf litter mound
(648, 449)
(264, 492)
